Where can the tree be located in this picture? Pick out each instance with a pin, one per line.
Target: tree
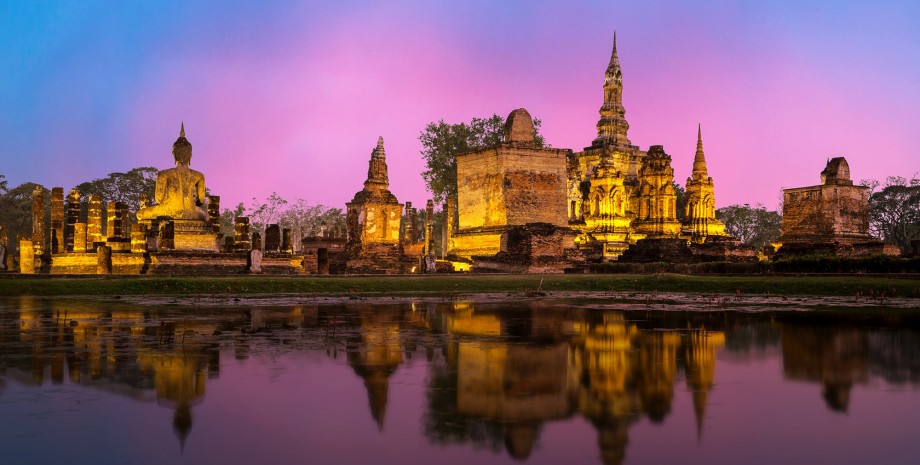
(442, 142)
(16, 211)
(681, 202)
(228, 219)
(894, 211)
(754, 226)
(122, 187)
(264, 214)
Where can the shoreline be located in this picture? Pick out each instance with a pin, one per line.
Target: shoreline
(687, 292)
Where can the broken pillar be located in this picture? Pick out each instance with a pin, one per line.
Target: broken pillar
(26, 257)
(429, 227)
(138, 238)
(408, 228)
(256, 241)
(72, 216)
(79, 238)
(450, 217)
(38, 221)
(214, 212)
(117, 213)
(287, 245)
(94, 221)
(104, 260)
(57, 220)
(242, 241)
(272, 238)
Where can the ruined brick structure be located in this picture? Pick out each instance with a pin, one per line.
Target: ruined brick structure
(509, 185)
(830, 218)
(373, 224)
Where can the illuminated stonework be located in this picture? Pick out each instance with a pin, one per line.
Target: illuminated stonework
(509, 185)
(700, 212)
(830, 218)
(180, 195)
(619, 194)
(656, 197)
(372, 219)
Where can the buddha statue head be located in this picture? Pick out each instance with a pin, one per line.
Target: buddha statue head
(182, 149)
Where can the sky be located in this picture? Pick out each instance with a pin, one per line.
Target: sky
(290, 97)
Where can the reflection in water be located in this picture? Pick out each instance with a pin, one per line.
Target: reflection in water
(497, 374)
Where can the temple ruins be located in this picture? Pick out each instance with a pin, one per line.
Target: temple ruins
(831, 218)
(520, 207)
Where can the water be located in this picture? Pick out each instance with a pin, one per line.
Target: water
(102, 382)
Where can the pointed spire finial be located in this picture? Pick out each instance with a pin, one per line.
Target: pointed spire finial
(699, 132)
(614, 40)
(380, 141)
(182, 130)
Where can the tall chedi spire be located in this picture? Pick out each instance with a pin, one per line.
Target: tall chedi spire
(699, 160)
(700, 210)
(612, 127)
(377, 176)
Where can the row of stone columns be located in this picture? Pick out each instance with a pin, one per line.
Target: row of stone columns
(67, 233)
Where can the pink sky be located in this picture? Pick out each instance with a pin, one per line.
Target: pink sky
(291, 98)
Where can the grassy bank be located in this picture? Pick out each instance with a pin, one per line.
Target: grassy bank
(448, 284)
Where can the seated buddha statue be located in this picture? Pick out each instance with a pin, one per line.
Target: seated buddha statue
(180, 191)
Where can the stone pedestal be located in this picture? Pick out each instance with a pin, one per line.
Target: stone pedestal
(194, 236)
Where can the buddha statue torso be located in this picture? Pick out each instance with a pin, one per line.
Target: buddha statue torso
(180, 191)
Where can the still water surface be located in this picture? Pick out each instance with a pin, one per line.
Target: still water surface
(453, 383)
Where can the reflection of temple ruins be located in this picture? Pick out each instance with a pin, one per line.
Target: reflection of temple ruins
(96, 349)
(495, 376)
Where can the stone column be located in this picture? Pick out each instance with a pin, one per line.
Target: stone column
(214, 212)
(256, 241)
(409, 229)
(450, 217)
(79, 238)
(57, 220)
(272, 238)
(104, 260)
(94, 222)
(116, 212)
(38, 221)
(72, 217)
(287, 246)
(242, 241)
(138, 238)
(429, 227)
(26, 257)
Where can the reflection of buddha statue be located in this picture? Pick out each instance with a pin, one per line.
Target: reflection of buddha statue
(180, 191)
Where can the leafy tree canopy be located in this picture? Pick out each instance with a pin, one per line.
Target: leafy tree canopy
(755, 226)
(894, 211)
